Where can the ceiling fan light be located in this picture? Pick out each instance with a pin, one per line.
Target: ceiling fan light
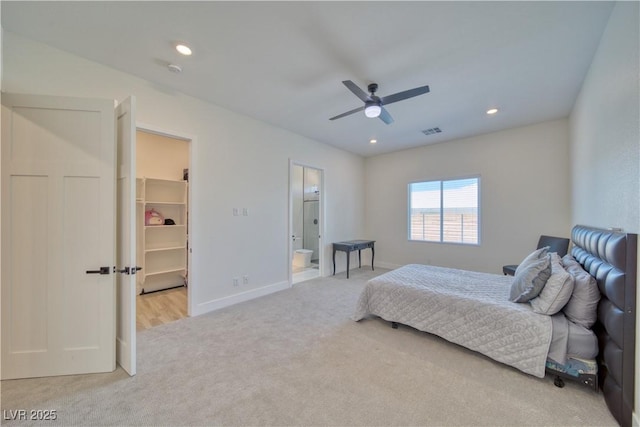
(372, 110)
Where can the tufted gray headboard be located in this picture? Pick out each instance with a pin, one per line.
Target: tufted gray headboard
(611, 257)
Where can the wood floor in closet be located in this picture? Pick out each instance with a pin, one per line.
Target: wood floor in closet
(156, 308)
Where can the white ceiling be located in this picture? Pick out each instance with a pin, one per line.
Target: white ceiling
(283, 62)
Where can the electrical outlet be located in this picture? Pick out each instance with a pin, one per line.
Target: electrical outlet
(236, 281)
(236, 212)
(245, 211)
(245, 280)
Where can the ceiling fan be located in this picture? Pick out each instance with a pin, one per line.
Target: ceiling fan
(374, 105)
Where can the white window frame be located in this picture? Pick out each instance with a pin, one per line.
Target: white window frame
(442, 182)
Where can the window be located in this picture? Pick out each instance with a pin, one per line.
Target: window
(445, 211)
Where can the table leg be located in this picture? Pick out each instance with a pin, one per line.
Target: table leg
(348, 259)
(359, 258)
(334, 262)
(373, 254)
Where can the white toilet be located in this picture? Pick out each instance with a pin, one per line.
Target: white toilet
(302, 257)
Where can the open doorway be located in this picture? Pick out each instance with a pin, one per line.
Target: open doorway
(162, 209)
(306, 221)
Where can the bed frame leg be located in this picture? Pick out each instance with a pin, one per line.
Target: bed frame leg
(558, 382)
(394, 325)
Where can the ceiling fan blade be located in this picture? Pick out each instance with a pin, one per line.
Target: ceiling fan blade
(339, 116)
(356, 90)
(385, 116)
(404, 95)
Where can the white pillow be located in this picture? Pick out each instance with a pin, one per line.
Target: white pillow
(556, 291)
(582, 307)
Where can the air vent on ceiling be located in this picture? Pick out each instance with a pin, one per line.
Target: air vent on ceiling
(431, 131)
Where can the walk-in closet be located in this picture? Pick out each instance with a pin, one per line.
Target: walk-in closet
(162, 209)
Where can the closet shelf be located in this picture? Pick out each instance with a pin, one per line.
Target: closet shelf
(174, 270)
(162, 248)
(163, 202)
(168, 248)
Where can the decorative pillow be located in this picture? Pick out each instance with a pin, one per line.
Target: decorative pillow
(556, 291)
(529, 281)
(582, 308)
(532, 257)
(153, 217)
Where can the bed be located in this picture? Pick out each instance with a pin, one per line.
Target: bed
(567, 330)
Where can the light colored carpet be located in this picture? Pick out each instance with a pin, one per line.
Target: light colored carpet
(295, 358)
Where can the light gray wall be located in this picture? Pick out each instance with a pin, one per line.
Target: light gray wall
(605, 137)
(524, 192)
(236, 162)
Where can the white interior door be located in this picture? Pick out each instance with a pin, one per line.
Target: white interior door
(126, 237)
(58, 226)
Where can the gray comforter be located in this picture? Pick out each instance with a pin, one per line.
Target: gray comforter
(468, 308)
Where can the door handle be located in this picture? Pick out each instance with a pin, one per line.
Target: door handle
(103, 270)
(129, 270)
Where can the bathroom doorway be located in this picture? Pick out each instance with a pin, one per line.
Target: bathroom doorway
(305, 255)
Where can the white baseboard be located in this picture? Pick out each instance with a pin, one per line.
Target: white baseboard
(382, 264)
(217, 304)
(388, 265)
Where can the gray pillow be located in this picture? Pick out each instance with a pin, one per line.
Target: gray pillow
(532, 257)
(556, 291)
(582, 308)
(529, 281)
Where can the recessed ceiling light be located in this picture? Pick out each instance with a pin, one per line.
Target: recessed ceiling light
(492, 111)
(183, 49)
(373, 141)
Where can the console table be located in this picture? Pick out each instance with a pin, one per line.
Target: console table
(350, 246)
